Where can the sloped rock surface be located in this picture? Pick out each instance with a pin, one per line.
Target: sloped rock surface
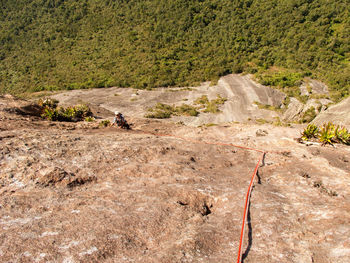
(161, 199)
(339, 114)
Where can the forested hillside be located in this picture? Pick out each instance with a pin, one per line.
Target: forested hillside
(67, 44)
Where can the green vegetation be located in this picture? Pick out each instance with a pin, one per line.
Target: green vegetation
(284, 80)
(266, 106)
(308, 115)
(210, 106)
(52, 112)
(89, 119)
(310, 132)
(164, 111)
(67, 44)
(280, 79)
(104, 123)
(329, 133)
(326, 134)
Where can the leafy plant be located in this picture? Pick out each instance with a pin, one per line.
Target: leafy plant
(327, 135)
(311, 131)
(342, 135)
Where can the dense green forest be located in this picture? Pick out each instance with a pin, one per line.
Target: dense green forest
(67, 44)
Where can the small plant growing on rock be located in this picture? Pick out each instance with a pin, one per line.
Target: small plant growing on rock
(327, 134)
(311, 131)
(342, 135)
(105, 123)
(89, 119)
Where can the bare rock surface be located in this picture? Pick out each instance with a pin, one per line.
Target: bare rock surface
(138, 197)
(338, 113)
(240, 91)
(312, 86)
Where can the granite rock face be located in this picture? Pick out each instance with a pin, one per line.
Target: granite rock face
(72, 192)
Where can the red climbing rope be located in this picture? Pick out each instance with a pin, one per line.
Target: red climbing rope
(239, 259)
(245, 212)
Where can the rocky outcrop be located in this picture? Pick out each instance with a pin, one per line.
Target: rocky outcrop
(298, 111)
(338, 114)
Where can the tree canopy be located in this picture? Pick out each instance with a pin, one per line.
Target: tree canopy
(67, 44)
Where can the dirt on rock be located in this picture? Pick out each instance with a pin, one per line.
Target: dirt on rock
(74, 192)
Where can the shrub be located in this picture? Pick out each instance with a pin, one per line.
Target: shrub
(81, 111)
(187, 110)
(105, 123)
(164, 111)
(158, 115)
(52, 112)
